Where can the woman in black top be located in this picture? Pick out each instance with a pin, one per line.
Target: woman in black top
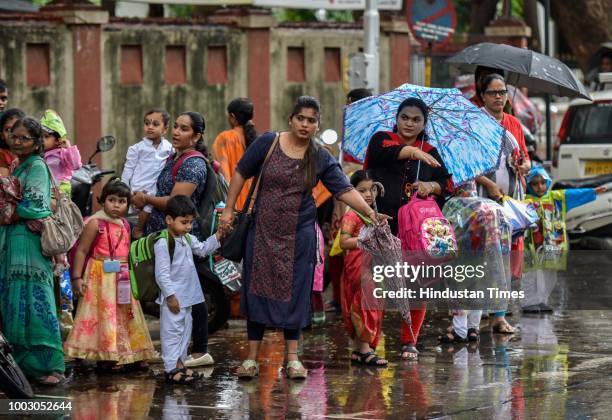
(394, 160)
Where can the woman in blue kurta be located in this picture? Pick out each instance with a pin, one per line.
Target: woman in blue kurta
(281, 244)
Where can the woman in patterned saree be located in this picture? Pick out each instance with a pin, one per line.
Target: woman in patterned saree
(279, 259)
(27, 302)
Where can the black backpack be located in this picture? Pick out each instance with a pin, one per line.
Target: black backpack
(215, 191)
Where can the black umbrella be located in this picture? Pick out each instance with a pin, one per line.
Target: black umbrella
(524, 68)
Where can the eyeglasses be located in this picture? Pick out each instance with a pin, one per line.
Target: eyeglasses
(502, 92)
(22, 139)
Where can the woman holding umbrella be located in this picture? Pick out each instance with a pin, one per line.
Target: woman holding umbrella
(393, 159)
(508, 179)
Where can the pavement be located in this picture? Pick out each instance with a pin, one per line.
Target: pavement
(557, 366)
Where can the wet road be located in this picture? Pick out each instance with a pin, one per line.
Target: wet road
(558, 366)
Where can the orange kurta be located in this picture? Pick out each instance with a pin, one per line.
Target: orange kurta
(228, 148)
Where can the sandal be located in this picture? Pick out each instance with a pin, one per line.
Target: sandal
(473, 334)
(248, 369)
(503, 328)
(410, 351)
(355, 357)
(192, 373)
(141, 366)
(371, 359)
(51, 380)
(452, 337)
(179, 376)
(296, 370)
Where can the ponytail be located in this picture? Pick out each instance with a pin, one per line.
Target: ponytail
(242, 110)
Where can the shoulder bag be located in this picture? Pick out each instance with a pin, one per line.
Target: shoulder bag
(234, 245)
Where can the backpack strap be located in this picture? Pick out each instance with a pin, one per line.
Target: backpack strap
(164, 234)
(182, 158)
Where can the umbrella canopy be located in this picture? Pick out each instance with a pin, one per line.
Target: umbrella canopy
(468, 139)
(525, 68)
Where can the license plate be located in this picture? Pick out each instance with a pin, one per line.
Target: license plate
(598, 167)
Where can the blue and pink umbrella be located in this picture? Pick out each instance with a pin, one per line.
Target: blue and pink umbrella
(468, 139)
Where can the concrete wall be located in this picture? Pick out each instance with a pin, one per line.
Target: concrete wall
(124, 105)
(102, 76)
(51, 77)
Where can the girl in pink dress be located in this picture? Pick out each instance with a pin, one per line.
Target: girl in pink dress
(105, 329)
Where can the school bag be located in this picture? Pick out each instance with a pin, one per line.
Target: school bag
(101, 228)
(424, 231)
(142, 264)
(215, 190)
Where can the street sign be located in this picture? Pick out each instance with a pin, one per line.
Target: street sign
(432, 21)
(290, 4)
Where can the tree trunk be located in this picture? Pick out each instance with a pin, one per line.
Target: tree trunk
(483, 12)
(585, 24)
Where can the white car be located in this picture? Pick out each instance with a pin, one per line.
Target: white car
(583, 151)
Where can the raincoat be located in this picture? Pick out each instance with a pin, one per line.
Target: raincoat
(546, 247)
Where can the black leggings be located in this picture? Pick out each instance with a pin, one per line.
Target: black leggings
(199, 334)
(255, 331)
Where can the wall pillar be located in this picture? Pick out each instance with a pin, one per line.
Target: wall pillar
(86, 22)
(257, 25)
(402, 45)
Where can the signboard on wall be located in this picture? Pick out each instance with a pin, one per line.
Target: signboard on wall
(289, 4)
(432, 21)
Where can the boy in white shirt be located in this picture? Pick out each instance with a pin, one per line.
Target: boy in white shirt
(179, 285)
(146, 159)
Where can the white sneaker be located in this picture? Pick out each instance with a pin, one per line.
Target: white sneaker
(204, 360)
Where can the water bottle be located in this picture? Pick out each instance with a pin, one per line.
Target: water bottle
(66, 288)
(124, 289)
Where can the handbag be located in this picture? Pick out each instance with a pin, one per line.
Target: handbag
(233, 246)
(61, 230)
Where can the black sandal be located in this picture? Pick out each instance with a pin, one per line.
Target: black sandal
(473, 334)
(183, 378)
(355, 360)
(445, 339)
(371, 359)
(411, 350)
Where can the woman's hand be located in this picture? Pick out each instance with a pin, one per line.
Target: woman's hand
(418, 154)
(424, 189)
(378, 218)
(139, 199)
(524, 168)
(495, 192)
(226, 221)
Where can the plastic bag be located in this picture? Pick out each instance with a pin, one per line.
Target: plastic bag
(522, 216)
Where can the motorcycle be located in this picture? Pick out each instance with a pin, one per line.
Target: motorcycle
(12, 380)
(217, 292)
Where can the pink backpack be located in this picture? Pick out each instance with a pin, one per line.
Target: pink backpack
(423, 227)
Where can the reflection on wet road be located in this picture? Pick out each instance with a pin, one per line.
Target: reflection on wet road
(557, 367)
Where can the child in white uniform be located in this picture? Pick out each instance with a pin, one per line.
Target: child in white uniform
(179, 285)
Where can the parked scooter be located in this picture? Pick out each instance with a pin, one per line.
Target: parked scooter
(89, 175)
(217, 294)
